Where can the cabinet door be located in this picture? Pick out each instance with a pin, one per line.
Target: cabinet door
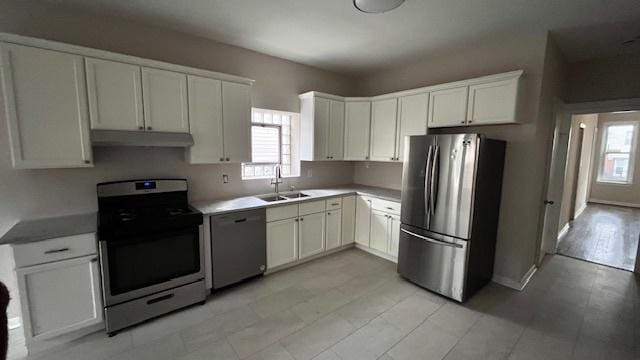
(312, 234)
(448, 107)
(493, 103)
(205, 121)
(282, 242)
(348, 219)
(321, 114)
(60, 297)
(363, 220)
(412, 119)
(46, 107)
(383, 129)
(165, 100)
(336, 130)
(394, 235)
(115, 95)
(334, 229)
(236, 117)
(379, 231)
(357, 128)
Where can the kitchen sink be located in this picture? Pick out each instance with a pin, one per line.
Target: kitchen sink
(271, 197)
(294, 195)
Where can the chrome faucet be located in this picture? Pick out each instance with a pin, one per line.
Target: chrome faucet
(277, 180)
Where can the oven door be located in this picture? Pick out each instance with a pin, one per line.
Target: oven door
(143, 265)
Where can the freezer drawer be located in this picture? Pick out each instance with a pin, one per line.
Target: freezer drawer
(435, 262)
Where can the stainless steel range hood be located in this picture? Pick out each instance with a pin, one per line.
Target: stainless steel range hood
(140, 138)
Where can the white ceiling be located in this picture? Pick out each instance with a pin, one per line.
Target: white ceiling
(333, 35)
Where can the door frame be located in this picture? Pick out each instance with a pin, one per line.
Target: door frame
(563, 115)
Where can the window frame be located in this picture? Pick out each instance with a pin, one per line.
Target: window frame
(601, 179)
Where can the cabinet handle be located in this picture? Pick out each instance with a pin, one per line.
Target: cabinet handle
(301, 219)
(296, 220)
(140, 127)
(228, 159)
(328, 213)
(469, 121)
(389, 208)
(335, 204)
(462, 122)
(366, 158)
(393, 158)
(54, 251)
(87, 161)
(95, 259)
(221, 159)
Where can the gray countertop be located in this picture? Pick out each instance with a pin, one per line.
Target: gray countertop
(48, 228)
(222, 206)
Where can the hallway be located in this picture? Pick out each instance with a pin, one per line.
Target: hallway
(605, 235)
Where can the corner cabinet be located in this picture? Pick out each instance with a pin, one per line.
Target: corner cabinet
(46, 108)
(220, 121)
(378, 226)
(357, 130)
(384, 116)
(321, 127)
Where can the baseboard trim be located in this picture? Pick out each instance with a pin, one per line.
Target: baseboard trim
(14, 323)
(563, 231)
(377, 253)
(580, 211)
(516, 285)
(307, 259)
(616, 203)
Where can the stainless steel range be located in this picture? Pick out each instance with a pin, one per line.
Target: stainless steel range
(151, 250)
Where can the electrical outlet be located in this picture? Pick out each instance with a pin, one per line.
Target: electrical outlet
(309, 173)
(225, 178)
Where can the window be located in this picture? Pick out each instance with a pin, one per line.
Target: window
(617, 154)
(273, 141)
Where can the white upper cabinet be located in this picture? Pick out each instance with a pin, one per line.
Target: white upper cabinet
(115, 95)
(46, 108)
(412, 119)
(205, 120)
(165, 100)
(321, 128)
(493, 103)
(236, 116)
(356, 130)
(383, 129)
(448, 107)
(335, 149)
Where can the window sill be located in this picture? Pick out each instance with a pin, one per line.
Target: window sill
(270, 177)
(611, 182)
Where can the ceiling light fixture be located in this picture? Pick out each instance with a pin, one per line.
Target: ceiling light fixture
(376, 6)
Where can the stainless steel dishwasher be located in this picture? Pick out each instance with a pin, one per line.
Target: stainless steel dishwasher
(238, 246)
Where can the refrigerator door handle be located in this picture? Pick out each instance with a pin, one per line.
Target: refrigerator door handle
(427, 185)
(434, 181)
(439, 242)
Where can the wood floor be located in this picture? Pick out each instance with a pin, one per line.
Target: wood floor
(605, 235)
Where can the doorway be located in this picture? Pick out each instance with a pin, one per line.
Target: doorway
(592, 209)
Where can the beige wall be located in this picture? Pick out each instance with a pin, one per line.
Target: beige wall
(578, 163)
(605, 79)
(527, 144)
(627, 194)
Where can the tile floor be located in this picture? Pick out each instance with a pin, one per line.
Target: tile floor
(352, 305)
(605, 235)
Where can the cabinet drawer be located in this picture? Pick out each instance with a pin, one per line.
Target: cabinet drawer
(335, 203)
(282, 212)
(312, 207)
(387, 206)
(41, 252)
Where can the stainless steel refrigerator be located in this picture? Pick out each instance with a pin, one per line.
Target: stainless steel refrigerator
(451, 187)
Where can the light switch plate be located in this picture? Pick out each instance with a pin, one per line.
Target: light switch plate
(225, 178)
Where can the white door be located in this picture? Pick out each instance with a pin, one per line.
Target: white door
(493, 103)
(357, 128)
(448, 107)
(60, 297)
(46, 108)
(383, 129)
(379, 231)
(334, 229)
(336, 130)
(348, 219)
(312, 234)
(114, 91)
(412, 119)
(321, 114)
(394, 235)
(236, 117)
(282, 242)
(363, 220)
(205, 121)
(165, 100)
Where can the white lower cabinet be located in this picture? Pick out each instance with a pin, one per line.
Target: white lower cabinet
(348, 219)
(334, 229)
(282, 242)
(378, 225)
(60, 297)
(312, 234)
